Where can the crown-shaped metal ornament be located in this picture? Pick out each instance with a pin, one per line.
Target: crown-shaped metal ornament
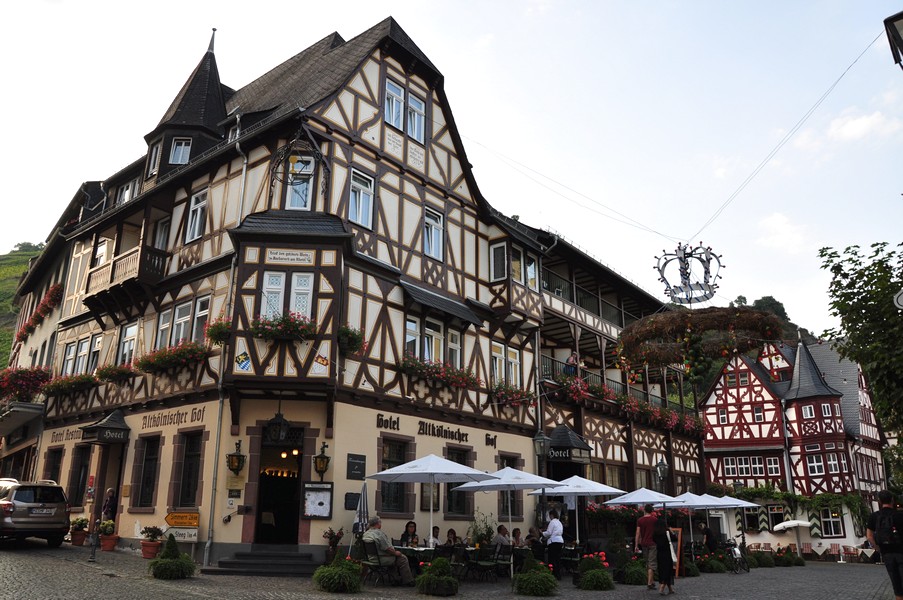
(698, 269)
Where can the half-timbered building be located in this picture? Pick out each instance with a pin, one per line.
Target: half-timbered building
(331, 197)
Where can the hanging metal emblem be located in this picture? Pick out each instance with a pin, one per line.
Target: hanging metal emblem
(698, 270)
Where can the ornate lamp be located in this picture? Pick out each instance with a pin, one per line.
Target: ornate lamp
(738, 485)
(541, 445)
(235, 461)
(662, 470)
(321, 461)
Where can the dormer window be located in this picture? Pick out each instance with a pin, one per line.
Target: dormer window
(300, 182)
(181, 150)
(233, 133)
(410, 117)
(153, 160)
(126, 192)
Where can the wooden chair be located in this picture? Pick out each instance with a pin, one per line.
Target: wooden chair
(754, 547)
(379, 572)
(835, 551)
(851, 553)
(766, 547)
(570, 558)
(503, 559)
(807, 549)
(792, 549)
(482, 564)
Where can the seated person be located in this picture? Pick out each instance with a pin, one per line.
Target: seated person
(516, 540)
(409, 537)
(388, 555)
(433, 541)
(501, 537)
(535, 542)
(452, 539)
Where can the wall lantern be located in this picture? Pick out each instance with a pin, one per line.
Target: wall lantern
(662, 470)
(235, 461)
(738, 485)
(321, 461)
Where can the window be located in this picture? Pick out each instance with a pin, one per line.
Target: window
(201, 314)
(392, 494)
(301, 170)
(833, 465)
(744, 378)
(127, 336)
(454, 349)
(751, 519)
(498, 363)
(197, 216)
(153, 160)
(181, 150)
(730, 467)
(844, 466)
(775, 515)
(497, 262)
(510, 499)
(394, 104)
(814, 464)
(53, 464)
(126, 192)
(829, 445)
(181, 323)
(531, 273)
(161, 234)
(513, 367)
(730, 379)
(361, 203)
(272, 294)
(94, 352)
(416, 117)
(758, 414)
(69, 360)
(808, 411)
(432, 341)
(826, 410)
(758, 466)
(100, 253)
(517, 264)
(191, 470)
(643, 479)
(743, 466)
(432, 234)
(78, 475)
(831, 523)
(164, 324)
(81, 355)
(616, 476)
(456, 502)
(722, 416)
(812, 447)
(302, 293)
(412, 337)
(147, 478)
(774, 466)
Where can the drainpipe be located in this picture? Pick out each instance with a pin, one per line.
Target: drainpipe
(222, 365)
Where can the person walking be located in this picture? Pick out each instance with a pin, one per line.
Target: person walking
(555, 534)
(885, 531)
(645, 526)
(664, 554)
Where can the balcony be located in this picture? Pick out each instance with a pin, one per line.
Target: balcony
(144, 265)
(554, 283)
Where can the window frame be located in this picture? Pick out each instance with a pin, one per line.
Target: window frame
(162, 230)
(180, 146)
(68, 367)
(364, 188)
(758, 414)
(458, 505)
(808, 411)
(190, 469)
(453, 348)
(775, 515)
(498, 272)
(125, 349)
(153, 159)
(416, 118)
(730, 466)
(531, 272)
(513, 366)
(164, 330)
(196, 218)
(744, 467)
(302, 287)
(773, 466)
(78, 474)
(826, 409)
(815, 466)
(412, 336)
(94, 349)
(433, 336)
(831, 523)
(433, 234)
(199, 318)
(82, 351)
(722, 416)
(147, 482)
(181, 324)
(497, 362)
(394, 103)
(268, 308)
(396, 491)
(833, 463)
(303, 176)
(757, 464)
(517, 264)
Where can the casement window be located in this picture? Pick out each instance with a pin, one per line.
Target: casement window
(844, 466)
(300, 188)
(812, 447)
(775, 515)
(432, 341)
(433, 234)
(744, 378)
(412, 337)
(815, 465)
(829, 445)
(517, 264)
(498, 363)
(833, 465)
(743, 469)
(360, 206)
(149, 448)
(758, 414)
(808, 412)
(730, 466)
(831, 523)
(164, 324)
(127, 336)
(153, 160)
(513, 367)
(454, 349)
(181, 151)
(161, 234)
(68, 360)
(498, 260)
(458, 503)
(730, 379)
(100, 253)
(751, 519)
(416, 117)
(302, 293)
(53, 466)
(126, 192)
(394, 104)
(197, 216)
(722, 416)
(513, 499)
(81, 355)
(192, 446)
(392, 495)
(758, 466)
(272, 294)
(181, 324)
(531, 273)
(78, 475)
(774, 466)
(94, 352)
(616, 476)
(201, 314)
(826, 410)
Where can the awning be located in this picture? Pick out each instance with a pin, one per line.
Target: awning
(109, 430)
(441, 303)
(15, 414)
(567, 446)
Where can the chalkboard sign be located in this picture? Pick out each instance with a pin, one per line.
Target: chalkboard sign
(356, 467)
(351, 500)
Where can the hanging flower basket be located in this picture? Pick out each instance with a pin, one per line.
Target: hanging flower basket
(184, 355)
(51, 300)
(439, 373)
(114, 373)
(509, 395)
(351, 340)
(20, 385)
(69, 384)
(218, 331)
(574, 388)
(290, 326)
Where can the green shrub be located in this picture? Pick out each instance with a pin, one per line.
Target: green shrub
(596, 579)
(783, 560)
(712, 565)
(635, 573)
(536, 582)
(437, 579)
(617, 547)
(765, 559)
(343, 575)
(592, 562)
(752, 562)
(691, 570)
(170, 564)
(799, 561)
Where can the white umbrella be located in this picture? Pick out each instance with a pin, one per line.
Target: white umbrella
(643, 496)
(790, 524)
(430, 469)
(509, 480)
(694, 502)
(580, 486)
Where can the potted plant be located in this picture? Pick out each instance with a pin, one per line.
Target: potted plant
(117, 374)
(437, 579)
(218, 331)
(150, 545)
(78, 531)
(171, 564)
(332, 539)
(108, 537)
(185, 354)
(342, 576)
(69, 384)
(351, 340)
(288, 326)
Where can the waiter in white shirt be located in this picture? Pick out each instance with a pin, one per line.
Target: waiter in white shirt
(554, 534)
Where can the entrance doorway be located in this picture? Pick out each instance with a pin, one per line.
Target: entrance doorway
(279, 491)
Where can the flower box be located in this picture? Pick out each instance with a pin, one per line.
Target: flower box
(218, 331)
(20, 385)
(184, 355)
(69, 384)
(114, 373)
(438, 373)
(290, 326)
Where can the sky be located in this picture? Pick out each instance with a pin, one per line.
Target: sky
(623, 126)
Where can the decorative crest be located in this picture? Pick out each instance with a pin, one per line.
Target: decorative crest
(692, 288)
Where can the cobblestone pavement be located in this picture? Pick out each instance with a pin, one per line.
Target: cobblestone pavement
(31, 571)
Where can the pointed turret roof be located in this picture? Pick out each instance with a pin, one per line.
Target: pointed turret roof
(807, 380)
(201, 103)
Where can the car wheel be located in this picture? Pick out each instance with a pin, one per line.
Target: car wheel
(55, 541)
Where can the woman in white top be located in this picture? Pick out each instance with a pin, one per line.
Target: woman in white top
(554, 534)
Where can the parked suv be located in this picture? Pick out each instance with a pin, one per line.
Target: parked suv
(33, 509)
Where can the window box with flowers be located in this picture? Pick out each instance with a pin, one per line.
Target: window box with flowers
(603, 391)
(509, 395)
(20, 385)
(117, 374)
(351, 340)
(69, 384)
(574, 388)
(438, 373)
(184, 355)
(51, 300)
(290, 326)
(218, 331)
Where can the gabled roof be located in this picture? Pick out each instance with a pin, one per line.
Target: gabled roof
(807, 380)
(844, 377)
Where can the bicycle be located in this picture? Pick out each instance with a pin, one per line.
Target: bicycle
(733, 557)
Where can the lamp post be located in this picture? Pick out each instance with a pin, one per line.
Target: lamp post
(541, 445)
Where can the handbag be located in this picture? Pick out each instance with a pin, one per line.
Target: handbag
(671, 548)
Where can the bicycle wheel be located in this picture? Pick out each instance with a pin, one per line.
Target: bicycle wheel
(734, 564)
(744, 566)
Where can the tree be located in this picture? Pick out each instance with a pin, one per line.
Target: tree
(769, 304)
(862, 294)
(740, 301)
(28, 247)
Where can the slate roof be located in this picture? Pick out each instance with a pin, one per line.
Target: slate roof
(843, 375)
(807, 381)
(292, 223)
(447, 305)
(777, 388)
(564, 437)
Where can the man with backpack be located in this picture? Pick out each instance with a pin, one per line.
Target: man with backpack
(885, 531)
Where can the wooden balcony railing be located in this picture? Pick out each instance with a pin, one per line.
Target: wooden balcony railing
(556, 284)
(145, 264)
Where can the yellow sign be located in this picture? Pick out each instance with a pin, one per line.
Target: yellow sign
(183, 519)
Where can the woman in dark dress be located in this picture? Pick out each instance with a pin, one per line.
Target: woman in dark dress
(661, 537)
